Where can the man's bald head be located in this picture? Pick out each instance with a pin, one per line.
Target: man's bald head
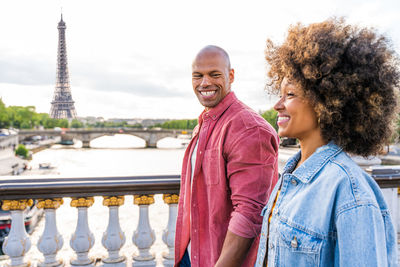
(214, 50)
(212, 75)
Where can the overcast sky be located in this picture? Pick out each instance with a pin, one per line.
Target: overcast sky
(132, 59)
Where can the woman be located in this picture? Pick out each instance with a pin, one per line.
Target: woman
(337, 86)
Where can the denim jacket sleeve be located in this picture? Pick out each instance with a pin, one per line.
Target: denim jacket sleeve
(366, 244)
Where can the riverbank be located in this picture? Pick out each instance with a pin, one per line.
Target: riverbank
(10, 164)
(13, 165)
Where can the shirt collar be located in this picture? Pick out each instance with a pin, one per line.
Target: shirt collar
(215, 112)
(306, 171)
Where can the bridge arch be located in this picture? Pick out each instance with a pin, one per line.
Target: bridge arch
(151, 136)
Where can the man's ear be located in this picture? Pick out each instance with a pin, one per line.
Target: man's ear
(231, 75)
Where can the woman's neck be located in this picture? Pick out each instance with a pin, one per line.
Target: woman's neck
(309, 145)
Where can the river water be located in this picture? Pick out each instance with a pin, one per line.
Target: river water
(119, 155)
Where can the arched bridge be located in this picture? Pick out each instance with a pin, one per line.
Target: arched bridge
(151, 136)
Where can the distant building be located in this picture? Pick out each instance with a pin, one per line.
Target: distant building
(62, 106)
(90, 119)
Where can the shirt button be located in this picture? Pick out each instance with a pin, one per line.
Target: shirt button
(294, 182)
(200, 152)
(195, 231)
(294, 242)
(271, 246)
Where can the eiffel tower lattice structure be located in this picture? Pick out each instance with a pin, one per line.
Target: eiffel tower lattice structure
(62, 106)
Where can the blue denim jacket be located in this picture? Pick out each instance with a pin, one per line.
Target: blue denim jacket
(329, 213)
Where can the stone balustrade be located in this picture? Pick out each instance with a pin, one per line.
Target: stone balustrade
(49, 193)
(17, 194)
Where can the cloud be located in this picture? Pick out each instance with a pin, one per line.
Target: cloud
(26, 71)
(126, 79)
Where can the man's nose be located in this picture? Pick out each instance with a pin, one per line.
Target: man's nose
(205, 81)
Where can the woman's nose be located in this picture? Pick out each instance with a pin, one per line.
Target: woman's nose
(279, 104)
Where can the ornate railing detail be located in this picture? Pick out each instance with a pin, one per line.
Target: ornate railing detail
(169, 233)
(51, 241)
(17, 243)
(113, 238)
(18, 194)
(83, 239)
(144, 235)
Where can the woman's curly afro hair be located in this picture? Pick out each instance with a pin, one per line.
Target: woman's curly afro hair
(350, 75)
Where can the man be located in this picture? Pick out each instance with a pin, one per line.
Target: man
(229, 169)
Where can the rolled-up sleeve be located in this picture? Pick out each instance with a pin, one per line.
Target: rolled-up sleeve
(252, 172)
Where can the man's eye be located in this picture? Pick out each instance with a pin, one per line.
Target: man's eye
(290, 94)
(196, 76)
(216, 75)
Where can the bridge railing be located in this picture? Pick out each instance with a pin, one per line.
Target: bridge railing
(16, 194)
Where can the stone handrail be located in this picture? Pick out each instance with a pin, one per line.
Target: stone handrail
(49, 187)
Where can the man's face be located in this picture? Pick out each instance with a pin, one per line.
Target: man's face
(211, 78)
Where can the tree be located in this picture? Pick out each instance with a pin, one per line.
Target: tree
(4, 118)
(22, 151)
(76, 124)
(178, 124)
(270, 115)
(49, 123)
(62, 123)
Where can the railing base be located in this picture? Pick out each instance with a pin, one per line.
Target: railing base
(119, 264)
(80, 263)
(112, 262)
(27, 264)
(58, 263)
(151, 263)
(168, 263)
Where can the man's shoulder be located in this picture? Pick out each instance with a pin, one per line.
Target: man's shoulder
(240, 113)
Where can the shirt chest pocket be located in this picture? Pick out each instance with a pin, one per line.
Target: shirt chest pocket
(211, 166)
(297, 248)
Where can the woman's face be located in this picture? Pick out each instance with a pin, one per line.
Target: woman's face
(296, 116)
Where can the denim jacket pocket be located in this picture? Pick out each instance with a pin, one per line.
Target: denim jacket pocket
(211, 166)
(297, 248)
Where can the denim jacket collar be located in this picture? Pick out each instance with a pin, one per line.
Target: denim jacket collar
(306, 171)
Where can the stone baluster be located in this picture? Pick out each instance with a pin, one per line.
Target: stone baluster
(113, 238)
(169, 233)
(51, 241)
(17, 244)
(144, 236)
(82, 240)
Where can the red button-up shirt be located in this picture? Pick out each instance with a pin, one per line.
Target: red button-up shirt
(236, 168)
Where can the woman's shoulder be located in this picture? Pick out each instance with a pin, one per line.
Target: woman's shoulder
(354, 186)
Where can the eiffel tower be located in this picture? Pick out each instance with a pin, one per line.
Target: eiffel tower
(62, 106)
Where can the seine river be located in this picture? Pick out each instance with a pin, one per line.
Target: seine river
(118, 155)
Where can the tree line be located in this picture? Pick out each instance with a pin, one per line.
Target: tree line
(20, 117)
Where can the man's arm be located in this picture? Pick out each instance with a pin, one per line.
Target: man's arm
(234, 250)
(252, 172)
